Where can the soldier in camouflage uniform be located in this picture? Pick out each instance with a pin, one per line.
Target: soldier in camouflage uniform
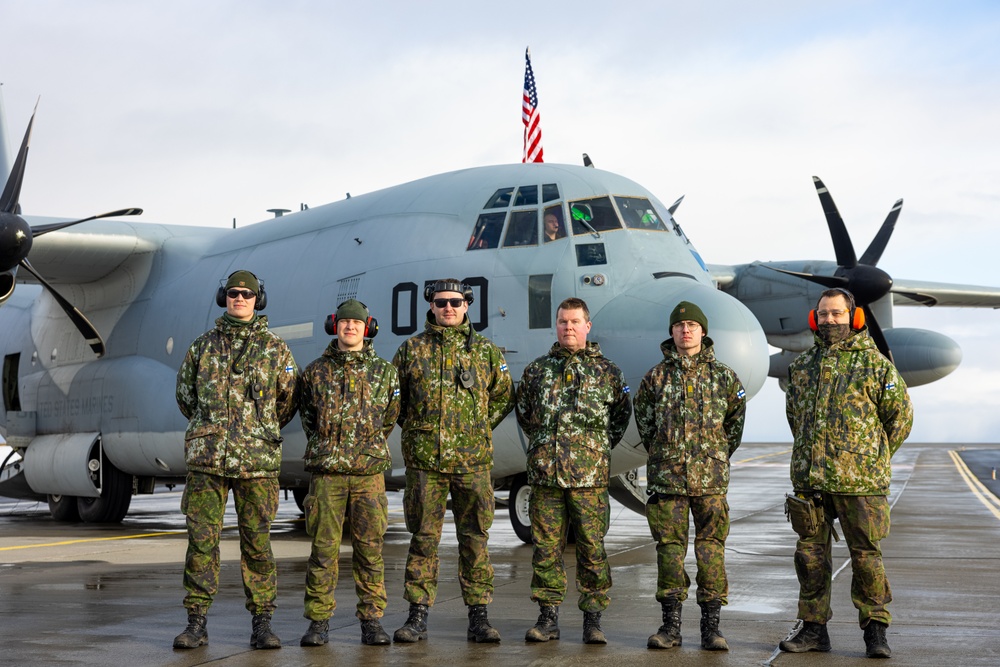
(454, 389)
(238, 387)
(349, 405)
(573, 407)
(849, 412)
(690, 410)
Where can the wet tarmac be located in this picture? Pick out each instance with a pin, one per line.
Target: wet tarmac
(93, 595)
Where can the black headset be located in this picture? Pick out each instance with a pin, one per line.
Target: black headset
(220, 296)
(371, 324)
(432, 288)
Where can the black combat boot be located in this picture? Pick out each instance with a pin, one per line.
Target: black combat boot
(480, 629)
(415, 627)
(810, 637)
(547, 626)
(875, 644)
(317, 634)
(262, 635)
(592, 633)
(372, 633)
(669, 634)
(195, 634)
(711, 638)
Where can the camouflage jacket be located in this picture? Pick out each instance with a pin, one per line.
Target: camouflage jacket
(849, 412)
(447, 426)
(348, 407)
(690, 412)
(237, 386)
(574, 408)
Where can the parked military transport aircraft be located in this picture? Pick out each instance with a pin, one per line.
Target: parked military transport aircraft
(88, 394)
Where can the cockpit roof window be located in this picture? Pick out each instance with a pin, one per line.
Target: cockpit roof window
(639, 213)
(527, 195)
(591, 216)
(550, 192)
(500, 198)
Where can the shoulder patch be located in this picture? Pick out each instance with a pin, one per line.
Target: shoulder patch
(741, 393)
(289, 369)
(395, 392)
(890, 385)
(503, 368)
(625, 389)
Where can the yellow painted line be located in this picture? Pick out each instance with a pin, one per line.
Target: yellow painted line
(977, 487)
(762, 456)
(92, 539)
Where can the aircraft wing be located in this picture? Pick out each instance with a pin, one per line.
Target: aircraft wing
(923, 293)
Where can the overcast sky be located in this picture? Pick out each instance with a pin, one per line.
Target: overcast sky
(201, 112)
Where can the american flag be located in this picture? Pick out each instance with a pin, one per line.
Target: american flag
(529, 114)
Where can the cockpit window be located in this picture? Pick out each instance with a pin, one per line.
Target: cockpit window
(593, 215)
(639, 213)
(523, 229)
(550, 192)
(527, 195)
(487, 231)
(500, 198)
(553, 227)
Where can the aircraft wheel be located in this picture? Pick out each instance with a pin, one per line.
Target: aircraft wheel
(63, 508)
(300, 493)
(520, 493)
(115, 499)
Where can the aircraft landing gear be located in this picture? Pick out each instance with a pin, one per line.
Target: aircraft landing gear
(520, 493)
(116, 496)
(63, 508)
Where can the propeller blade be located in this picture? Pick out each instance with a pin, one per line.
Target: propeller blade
(825, 281)
(38, 230)
(842, 245)
(877, 246)
(875, 331)
(12, 191)
(83, 325)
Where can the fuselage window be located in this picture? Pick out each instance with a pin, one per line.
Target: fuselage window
(553, 227)
(487, 231)
(590, 216)
(527, 195)
(550, 192)
(500, 198)
(590, 254)
(540, 301)
(523, 229)
(639, 213)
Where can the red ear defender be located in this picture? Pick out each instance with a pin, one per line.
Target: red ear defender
(330, 326)
(812, 321)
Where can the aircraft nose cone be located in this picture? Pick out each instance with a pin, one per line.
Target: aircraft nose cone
(15, 240)
(631, 326)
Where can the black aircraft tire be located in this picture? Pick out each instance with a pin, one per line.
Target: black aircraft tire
(114, 502)
(300, 493)
(64, 508)
(520, 493)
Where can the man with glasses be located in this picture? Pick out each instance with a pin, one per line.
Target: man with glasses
(849, 412)
(573, 406)
(690, 410)
(237, 386)
(454, 390)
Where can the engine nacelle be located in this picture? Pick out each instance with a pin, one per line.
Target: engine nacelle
(922, 356)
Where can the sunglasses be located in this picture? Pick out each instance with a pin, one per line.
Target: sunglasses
(245, 293)
(455, 303)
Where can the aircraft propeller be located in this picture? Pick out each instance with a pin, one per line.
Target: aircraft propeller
(861, 278)
(16, 237)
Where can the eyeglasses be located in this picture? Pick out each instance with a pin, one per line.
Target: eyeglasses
(690, 326)
(830, 313)
(245, 293)
(455, 303)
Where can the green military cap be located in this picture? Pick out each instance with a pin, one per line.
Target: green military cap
(352, 309)
(244, 279)
(686, 310)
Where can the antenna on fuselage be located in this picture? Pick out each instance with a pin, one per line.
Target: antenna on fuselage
(587, 162)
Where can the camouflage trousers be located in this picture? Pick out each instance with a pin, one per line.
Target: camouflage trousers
(204, 504)
(553, 511)
(668, 523)
(864, 522)
(361, 500)
(424, 503)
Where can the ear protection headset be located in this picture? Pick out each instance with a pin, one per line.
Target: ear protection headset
(430, 289)
(857, 315)
(220, 295)
(371, 324)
